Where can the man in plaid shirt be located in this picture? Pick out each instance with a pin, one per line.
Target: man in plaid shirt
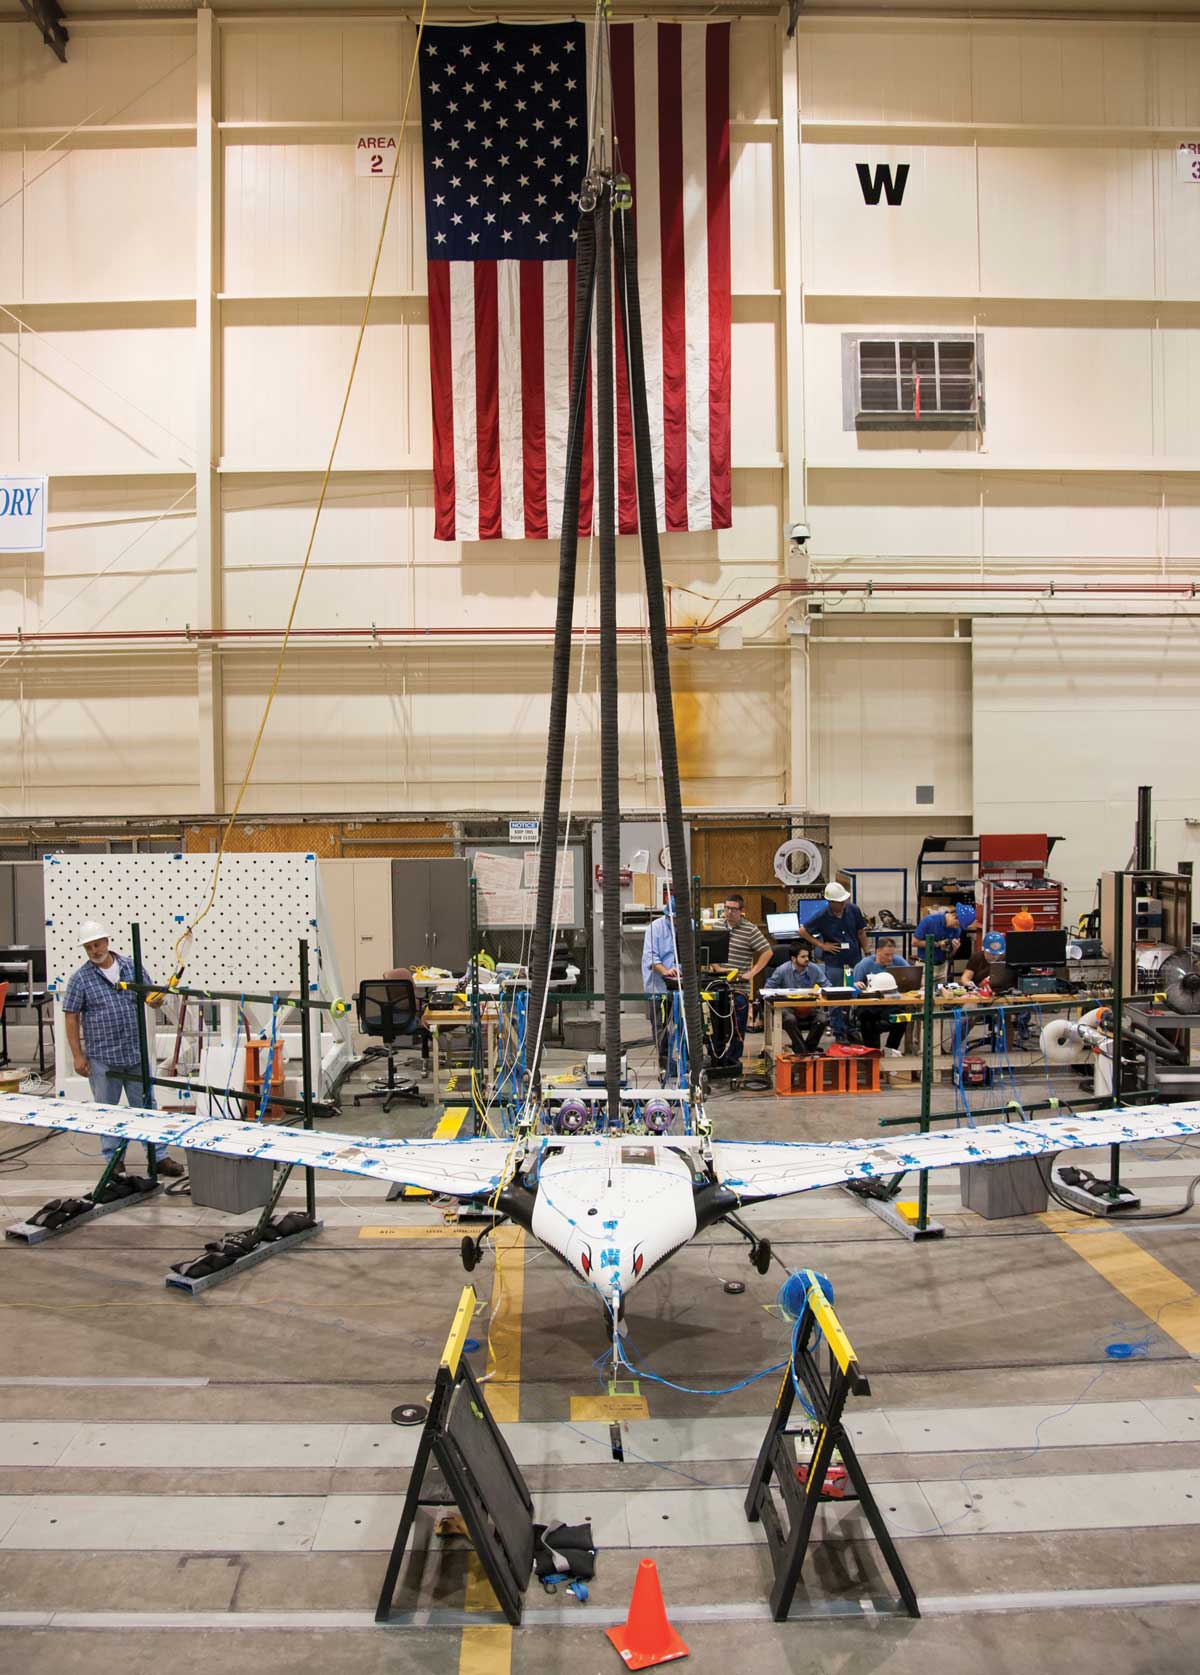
(108, 1053)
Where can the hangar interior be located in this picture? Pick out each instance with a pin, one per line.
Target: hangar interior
(598, 620)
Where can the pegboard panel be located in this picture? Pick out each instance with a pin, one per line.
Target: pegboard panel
(264, 905)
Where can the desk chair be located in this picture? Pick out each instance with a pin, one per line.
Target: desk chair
(389, 1010)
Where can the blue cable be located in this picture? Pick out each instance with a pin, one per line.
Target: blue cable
(264, 1098)
(617, 1355)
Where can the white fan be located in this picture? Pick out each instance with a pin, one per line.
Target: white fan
(798, 850)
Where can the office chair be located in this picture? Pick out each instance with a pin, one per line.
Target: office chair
(389, 1010)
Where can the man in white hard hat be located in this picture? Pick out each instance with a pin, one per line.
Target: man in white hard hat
(102, 1029)
(840, 932)
(873, 1020)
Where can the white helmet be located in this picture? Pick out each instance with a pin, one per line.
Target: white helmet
(836, 892)
(882, 983)
(92, 930)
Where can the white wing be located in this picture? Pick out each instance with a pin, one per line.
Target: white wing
(775, 1168)
(460, 1168)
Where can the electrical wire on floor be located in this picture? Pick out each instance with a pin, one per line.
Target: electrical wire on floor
(12, 1159)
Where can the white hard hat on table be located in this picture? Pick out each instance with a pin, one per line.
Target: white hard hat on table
(92, 930)
(881, 983)
(836, 892)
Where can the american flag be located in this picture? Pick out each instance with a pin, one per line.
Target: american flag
(504, 117)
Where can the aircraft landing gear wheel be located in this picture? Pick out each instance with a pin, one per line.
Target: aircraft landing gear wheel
(760, 1256)
(470, 1254)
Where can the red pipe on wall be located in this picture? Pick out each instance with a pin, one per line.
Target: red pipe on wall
(688, 631)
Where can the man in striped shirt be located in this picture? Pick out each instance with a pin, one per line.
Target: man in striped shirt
(749, 953)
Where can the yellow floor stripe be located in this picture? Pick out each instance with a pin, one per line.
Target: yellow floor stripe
(446, 1235)
(1169, 1301)
(585, 1408)
(504, 1339)
(486, 1650)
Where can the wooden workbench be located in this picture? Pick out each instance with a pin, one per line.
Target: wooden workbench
(459, 1017)
(910, 1007)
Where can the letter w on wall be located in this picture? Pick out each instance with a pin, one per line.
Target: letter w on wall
(881, 182)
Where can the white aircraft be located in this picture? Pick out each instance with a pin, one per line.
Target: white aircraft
(613, 1204)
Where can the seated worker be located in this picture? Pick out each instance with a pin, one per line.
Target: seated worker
(946, 927)
(872, 1021)
(840, 932)
(660, 979)
(883, 959)
(803, 1029)
(986, 967)
(749, 953)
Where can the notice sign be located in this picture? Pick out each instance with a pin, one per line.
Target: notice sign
(22, 514)
(523, 831)
(1187, 161)
(375, 155)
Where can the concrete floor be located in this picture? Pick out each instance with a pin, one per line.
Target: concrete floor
(1016, 1460)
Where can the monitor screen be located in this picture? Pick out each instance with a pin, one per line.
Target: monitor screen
(1024, 948)
(806, 911)
(783, 925)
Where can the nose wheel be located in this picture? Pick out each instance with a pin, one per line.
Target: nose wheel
(472, 1249)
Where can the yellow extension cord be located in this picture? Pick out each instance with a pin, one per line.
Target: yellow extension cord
(186, 934)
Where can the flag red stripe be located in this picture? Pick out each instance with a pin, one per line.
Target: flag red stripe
(487, 399)
(716, 80)
(626, 137)
(533, 398)
(674, 325)
(585, 474)
(443, 400)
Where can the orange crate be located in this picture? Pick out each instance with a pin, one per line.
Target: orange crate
(862, 1074)
(795, 1077)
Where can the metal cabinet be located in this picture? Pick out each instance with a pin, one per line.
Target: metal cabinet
(431, 913)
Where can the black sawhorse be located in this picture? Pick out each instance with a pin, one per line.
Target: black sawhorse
(482, 1478)
(776, 1467)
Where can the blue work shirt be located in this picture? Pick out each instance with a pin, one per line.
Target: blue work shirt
(109, 1014)
(841, 928)
(868, 967)
(790, 976)
(658, 947)
(943, 927)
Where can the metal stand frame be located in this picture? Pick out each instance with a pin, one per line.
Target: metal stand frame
(28, 1233)
(263, 1247)
(775, 1468)
(481, 1478)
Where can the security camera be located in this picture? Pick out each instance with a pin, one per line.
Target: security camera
(798, 532)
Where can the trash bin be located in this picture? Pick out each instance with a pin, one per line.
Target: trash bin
(1013, 1188)
(234, 1184)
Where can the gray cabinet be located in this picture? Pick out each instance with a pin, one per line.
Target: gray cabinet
(431, 913)
(22, 904)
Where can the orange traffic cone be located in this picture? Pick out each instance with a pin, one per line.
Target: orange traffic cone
(647, 1637)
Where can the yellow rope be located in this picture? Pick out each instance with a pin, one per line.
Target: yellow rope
(186, 934)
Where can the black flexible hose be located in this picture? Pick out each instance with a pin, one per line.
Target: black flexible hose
(610, 751)
(660, 663)
(568, 545)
